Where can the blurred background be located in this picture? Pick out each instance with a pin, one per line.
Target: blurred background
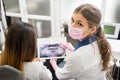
(51, 17)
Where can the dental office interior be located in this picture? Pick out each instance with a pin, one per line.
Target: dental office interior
(51, 19)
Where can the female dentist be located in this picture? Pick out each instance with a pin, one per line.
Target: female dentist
(90, 59)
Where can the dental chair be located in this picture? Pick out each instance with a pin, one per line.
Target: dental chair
(10, 73)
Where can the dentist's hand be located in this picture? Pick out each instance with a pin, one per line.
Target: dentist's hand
(53, 62)
(68, 46)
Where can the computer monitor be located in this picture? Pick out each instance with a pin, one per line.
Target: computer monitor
(111, 30)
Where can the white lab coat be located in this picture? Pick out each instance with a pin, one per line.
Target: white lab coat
(36, 71)
(83, 64)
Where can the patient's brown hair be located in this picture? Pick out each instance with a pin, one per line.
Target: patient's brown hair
(20, 45)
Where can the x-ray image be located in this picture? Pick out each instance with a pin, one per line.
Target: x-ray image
(51, 50)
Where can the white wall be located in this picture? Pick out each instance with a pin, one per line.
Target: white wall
(68, 7)
(112, 11)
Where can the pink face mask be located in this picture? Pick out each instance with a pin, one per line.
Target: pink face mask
(75, 33)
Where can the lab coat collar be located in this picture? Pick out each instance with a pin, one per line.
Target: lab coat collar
(85, 42)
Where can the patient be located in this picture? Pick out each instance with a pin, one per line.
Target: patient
(20, 51)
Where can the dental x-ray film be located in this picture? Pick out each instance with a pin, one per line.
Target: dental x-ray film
(48, 48)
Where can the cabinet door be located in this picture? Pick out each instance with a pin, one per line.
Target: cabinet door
(39, 13)
(43, 27)
(38, 7)
(12, 6)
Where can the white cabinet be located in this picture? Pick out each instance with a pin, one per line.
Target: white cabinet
(115, 48)
(40, 13)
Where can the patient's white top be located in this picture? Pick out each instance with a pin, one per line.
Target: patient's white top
(36, 71)
(83, 64)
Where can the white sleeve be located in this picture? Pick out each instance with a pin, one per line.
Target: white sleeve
(45, 74)
(70, 70)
